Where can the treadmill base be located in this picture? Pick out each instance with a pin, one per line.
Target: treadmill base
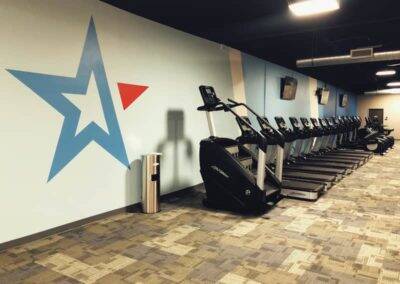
(306, 195)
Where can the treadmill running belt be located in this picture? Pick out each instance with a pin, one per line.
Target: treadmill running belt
(304, 186)
(311, 176)
(320, 170)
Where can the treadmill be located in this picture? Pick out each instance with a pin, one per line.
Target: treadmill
(322, 146)
(332, 141)
(295, 161)
(347, 131)
(305, 156)
(303, 172)
(290, 138)
(294, 188)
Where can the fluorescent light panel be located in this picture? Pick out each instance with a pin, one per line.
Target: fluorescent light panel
(386, 73)
(394, 84)
(313, 7)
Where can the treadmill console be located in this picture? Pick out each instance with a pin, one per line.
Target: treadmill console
(209, 96)
(264, 124)
(266, 119)
(244, 127)
(281, 123)
(315, 122)
(323, 122)
(330, 121)
(248, 134)
(305, 122)
(295, 123)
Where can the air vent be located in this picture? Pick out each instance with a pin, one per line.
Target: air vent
(362, 52)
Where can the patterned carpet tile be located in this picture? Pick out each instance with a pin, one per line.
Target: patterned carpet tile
(350, 235)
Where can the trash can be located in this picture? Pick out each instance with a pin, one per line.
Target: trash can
(151, 183)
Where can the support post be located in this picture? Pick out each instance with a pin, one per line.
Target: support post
(211, 125)
(279, 162)
(261, 169)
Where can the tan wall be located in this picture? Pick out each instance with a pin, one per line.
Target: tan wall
(235, 58)
(391, 106)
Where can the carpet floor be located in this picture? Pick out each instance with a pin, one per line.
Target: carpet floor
(350, 235)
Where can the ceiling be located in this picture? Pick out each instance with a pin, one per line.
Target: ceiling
(266, 29)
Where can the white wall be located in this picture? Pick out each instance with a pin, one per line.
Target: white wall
(262, 81)
(47, 36)
(390, 104)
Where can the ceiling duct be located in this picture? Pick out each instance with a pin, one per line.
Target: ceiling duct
(356, 56)
(362, 52)
(384, 92)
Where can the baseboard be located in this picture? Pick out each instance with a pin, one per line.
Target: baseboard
(70, 226)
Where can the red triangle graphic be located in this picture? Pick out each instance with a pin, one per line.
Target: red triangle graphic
(129, 93)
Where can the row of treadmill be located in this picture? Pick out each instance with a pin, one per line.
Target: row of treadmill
(254, 171)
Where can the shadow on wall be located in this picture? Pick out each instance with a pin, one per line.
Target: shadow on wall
(177, 150)
(177, 155)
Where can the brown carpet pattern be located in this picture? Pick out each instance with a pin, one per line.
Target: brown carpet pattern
(351, 235)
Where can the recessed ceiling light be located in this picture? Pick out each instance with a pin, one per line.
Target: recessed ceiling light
(386, 73)
(394, 84)
(312, 7)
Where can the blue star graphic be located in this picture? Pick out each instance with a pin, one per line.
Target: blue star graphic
(51, 88)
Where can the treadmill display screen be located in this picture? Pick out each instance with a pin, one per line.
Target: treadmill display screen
(242, 124)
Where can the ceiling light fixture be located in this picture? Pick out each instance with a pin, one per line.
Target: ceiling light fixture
(394, 84)
(386, 73)
(312, 7)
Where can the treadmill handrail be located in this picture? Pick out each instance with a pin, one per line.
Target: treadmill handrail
(280, 139)
(228, 108)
